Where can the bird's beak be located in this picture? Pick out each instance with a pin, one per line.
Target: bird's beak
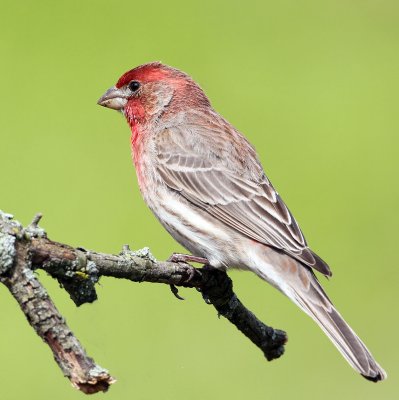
(113, 98)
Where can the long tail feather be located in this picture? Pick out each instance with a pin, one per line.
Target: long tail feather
(342, 335)
(302, 287)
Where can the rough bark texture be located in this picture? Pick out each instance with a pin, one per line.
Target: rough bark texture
(22, 250)
(48, 323)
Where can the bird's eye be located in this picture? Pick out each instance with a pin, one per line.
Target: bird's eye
(134, 86)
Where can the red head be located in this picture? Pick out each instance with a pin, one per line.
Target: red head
(147, 91)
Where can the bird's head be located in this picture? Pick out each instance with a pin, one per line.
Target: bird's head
(150, 90)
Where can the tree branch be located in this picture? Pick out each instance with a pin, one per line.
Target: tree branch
(43, 315)
(22, 250)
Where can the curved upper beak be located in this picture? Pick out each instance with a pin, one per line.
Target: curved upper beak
(113, 98)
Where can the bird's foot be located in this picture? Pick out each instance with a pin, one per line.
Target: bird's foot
(185, 258)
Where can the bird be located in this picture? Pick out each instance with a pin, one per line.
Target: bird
(204, 182)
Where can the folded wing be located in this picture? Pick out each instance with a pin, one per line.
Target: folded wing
(243, 198)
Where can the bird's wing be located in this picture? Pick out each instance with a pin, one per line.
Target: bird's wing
(221, 174)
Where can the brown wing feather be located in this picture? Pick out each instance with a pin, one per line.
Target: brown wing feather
(243, 199)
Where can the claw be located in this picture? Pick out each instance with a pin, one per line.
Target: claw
(175, 292)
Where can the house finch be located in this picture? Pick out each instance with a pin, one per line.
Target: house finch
(203, 181)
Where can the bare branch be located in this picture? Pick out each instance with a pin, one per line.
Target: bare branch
(78, 270)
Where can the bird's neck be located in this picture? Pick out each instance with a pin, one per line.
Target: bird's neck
(138, 133)
(136, 118)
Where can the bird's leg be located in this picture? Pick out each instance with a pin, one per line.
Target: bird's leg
(184, 258)
(178, 257)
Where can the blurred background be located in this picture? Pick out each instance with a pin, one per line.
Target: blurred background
(313, 85)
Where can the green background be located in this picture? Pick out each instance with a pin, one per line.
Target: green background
(314, 86)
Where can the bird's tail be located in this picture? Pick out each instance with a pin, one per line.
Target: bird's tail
(301, 285)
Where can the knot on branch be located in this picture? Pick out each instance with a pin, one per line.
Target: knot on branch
(73, 269)
(143, 253)
(33, 230)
